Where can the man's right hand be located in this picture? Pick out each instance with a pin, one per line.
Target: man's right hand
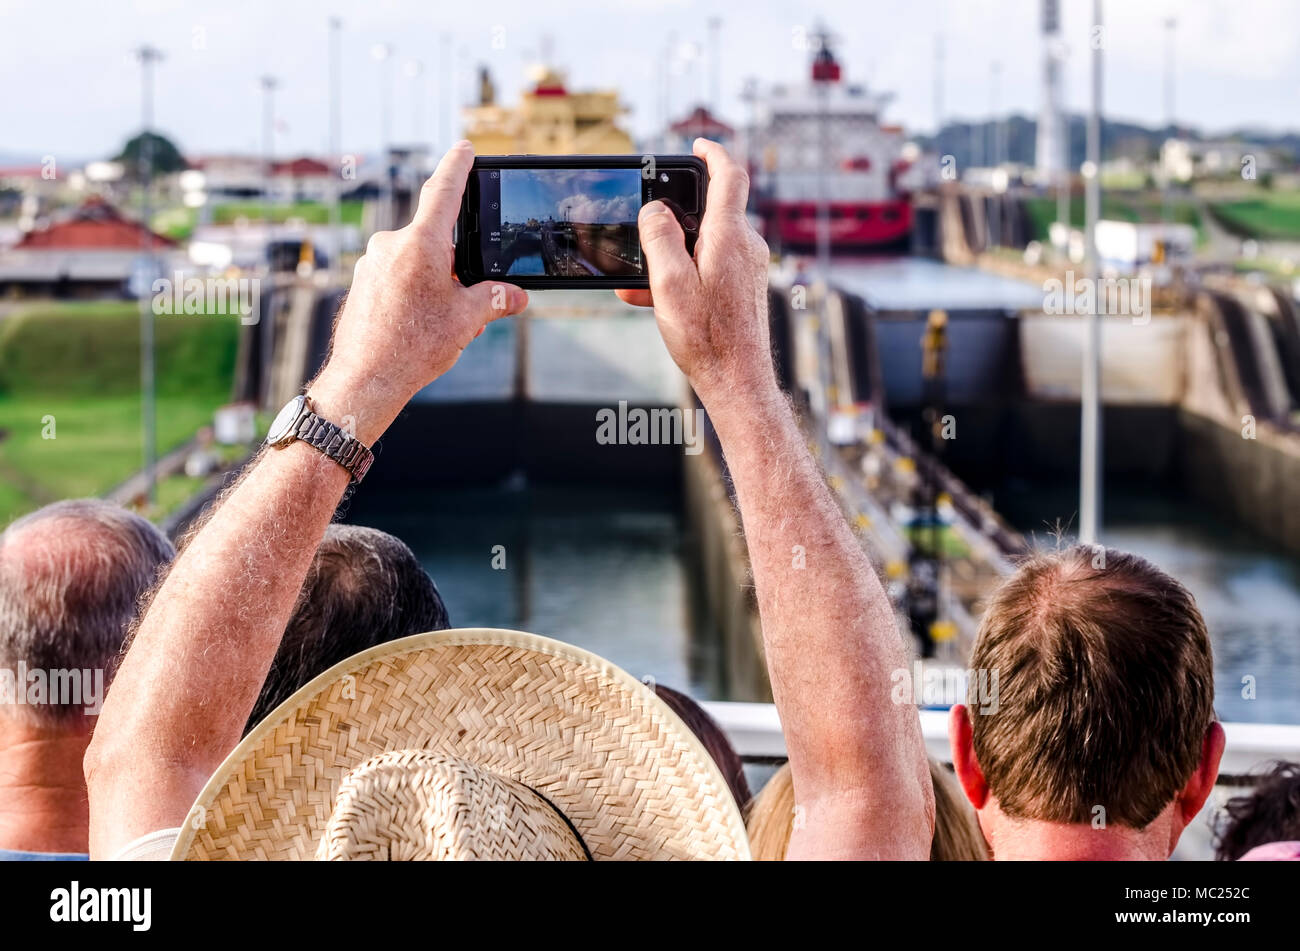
(407, 318)
(711, 310)
(829, 634)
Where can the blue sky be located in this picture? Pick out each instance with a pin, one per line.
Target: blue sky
(590, 195)
(72, 89)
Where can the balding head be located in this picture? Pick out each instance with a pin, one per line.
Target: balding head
(1106, 689)
(71, 577)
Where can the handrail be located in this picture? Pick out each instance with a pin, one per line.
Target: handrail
(755, 731)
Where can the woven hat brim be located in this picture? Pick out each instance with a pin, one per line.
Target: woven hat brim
(601, 746)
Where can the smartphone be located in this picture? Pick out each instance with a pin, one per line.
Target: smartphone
(553, 221)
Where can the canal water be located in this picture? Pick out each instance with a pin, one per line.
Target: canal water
(615, 571)
(607, 568)
(528, 264)
(1248, 590)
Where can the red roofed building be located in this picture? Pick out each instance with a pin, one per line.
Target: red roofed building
(241, 177)
(700, 123)
(301, 168)
(95, 225)
(21, 173)
(90, 252)
(303, 179)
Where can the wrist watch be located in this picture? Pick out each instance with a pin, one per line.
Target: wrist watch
(298, 420)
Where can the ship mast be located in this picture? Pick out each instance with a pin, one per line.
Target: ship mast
(825, 72)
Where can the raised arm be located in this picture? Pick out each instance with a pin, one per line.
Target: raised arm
(199, 656)
(858, 760)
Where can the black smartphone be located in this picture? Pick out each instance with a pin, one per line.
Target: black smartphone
(552, 221)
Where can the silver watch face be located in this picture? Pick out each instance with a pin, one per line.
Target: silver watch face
(282, 428)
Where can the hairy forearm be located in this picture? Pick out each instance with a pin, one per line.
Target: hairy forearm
(196, 665)
(201, 653)
(829, 634)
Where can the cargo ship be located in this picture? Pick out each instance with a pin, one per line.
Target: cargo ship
(825, 140)
(550, 119)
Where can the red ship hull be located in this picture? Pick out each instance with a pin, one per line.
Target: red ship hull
(853, 225)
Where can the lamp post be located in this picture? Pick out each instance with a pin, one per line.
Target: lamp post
(148, 57)
(269, 84)
(382, 53)
(715, 64)
(1170, 25)
(938, 94)
(995, 152)
(336, 145)
(445, 84)
(1090, 392)
(414, 71)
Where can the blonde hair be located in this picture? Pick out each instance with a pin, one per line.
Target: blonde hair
(774, 813)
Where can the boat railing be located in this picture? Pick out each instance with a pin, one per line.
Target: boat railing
(755, 731)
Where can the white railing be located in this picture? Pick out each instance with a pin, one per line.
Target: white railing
(755, 731)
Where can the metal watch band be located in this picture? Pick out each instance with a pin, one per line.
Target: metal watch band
(331, 440)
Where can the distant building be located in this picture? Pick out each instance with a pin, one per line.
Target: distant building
(95, 225)
(1183, 160)
(303, 179)
(91, 252)
(28, 191)
(699, 124)
(549, 120)
(42, 180)
(1127, 246)
(243, 177)
(231, 177)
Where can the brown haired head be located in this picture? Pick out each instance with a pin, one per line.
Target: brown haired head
(1105, 689)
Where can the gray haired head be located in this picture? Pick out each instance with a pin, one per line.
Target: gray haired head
(364, 587)
(71, 578)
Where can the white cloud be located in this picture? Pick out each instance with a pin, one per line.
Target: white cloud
(584, 208)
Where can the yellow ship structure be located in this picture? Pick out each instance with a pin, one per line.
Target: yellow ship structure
(549, 120)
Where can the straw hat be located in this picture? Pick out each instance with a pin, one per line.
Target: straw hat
(480, 744)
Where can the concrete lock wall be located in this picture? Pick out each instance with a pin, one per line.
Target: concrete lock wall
(728, 586)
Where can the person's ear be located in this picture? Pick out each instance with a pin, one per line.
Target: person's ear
(1198, 787)
(969, 774)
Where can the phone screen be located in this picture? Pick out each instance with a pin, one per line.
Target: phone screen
(570, 221)
(560, 222)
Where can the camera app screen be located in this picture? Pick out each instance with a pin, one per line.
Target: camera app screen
(560, 222)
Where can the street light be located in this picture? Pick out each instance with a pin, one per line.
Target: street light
(444, 87)
(1090, 391)
(666, 85)
(336, 144)
(715, 64)
(687, 60)
(269, 84)
(938, 94)
(382, 53)
(414, 71)
(148, 57)
(1170, 25)
(995, 151)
